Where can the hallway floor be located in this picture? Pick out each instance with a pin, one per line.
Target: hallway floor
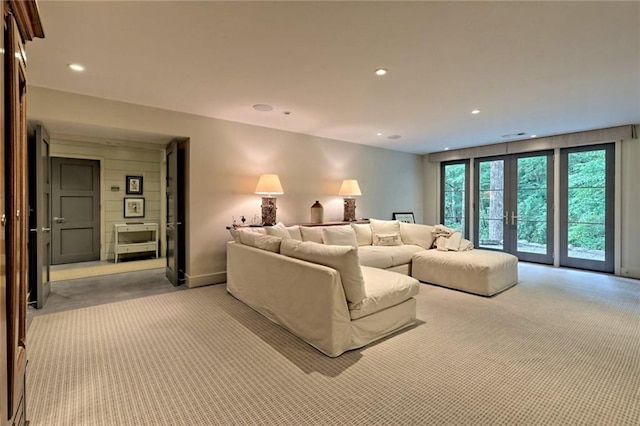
(80, 293)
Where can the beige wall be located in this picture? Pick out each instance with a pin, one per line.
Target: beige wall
(227, 158)
(116, 162)
(627, 210)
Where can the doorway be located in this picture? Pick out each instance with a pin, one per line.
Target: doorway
(514, 205)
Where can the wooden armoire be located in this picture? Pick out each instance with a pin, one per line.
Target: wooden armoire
(21, 24)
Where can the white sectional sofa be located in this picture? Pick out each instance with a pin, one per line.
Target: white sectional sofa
(342, 287)
(332, 303)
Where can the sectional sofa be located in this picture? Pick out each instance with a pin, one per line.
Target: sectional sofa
(342, 287)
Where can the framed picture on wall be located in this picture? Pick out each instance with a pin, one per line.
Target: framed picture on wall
(404, 217)
(134, 185)
(134, 207)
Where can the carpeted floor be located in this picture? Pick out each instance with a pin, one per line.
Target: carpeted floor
(562, 347)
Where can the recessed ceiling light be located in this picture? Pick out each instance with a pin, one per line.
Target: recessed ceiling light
(378, 134)
(381, 71)
(263, 107)
(534, 136)
(475, 111)
(76, 67)
(446, 149)
(394, 137)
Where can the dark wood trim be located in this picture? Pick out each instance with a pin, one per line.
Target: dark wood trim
(28, 19)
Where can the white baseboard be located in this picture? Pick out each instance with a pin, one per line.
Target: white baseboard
(630, 272)
(206, 279)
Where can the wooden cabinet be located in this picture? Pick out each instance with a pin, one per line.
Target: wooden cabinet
(21, 24)
(135, 238)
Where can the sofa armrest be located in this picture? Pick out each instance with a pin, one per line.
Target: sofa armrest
(304, 297)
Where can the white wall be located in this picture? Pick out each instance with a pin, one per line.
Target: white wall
(116, 162)
(630, 211)
(629, 172)
(227, 158)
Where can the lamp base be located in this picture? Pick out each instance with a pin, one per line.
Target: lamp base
(269, 211)
(349, 209)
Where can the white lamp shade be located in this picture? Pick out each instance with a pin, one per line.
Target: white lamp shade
(349, 188)
(269, 185)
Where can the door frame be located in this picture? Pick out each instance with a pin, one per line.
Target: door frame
(607, 265)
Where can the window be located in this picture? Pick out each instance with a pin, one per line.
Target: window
(454, 203)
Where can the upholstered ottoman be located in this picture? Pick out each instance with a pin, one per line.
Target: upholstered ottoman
(482, 272)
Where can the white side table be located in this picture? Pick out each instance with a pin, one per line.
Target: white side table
(137, 238)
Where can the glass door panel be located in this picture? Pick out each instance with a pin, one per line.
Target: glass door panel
(454, 201)
(491, 200)
(533, 196)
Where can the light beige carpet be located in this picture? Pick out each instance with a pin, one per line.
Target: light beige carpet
(560, 348)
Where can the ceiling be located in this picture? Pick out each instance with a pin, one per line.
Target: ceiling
(540, 68)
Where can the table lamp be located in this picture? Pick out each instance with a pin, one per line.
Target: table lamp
(269, 185)
(349, 190)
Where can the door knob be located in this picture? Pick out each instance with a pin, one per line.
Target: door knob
(58, 219)
(45, 229)
(513, 218)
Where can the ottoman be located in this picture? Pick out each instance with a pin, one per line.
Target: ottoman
(482, 272)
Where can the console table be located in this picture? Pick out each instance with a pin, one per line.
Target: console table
(135, 238)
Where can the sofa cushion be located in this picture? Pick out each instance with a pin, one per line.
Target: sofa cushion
(263, 242)
(363, 233)
(344, 259)
(311, 233)
(339, 236)
(387, 257)
(387, 239)
(235, 232)
(420, 235)
(278, 230)
(384, 289)
(295, 233)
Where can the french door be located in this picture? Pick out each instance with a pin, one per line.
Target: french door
(514, 205)
(587, 207)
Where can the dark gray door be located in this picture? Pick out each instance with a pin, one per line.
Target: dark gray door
(175, 234)
(76, 210)
(39, 216)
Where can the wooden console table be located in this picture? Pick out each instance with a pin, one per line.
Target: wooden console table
(138, 238)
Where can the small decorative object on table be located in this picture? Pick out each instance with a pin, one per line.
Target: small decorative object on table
(404, 217)
(317, 212)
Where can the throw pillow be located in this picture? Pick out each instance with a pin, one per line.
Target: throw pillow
(387, 240)
(343, 259)
(339, 236)
(235, 232)
(294, 231)
(363, 233)
(268, 243)
(278, 230)
(420, 235)
(263, 242)
(311, 233)
(384, 226)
